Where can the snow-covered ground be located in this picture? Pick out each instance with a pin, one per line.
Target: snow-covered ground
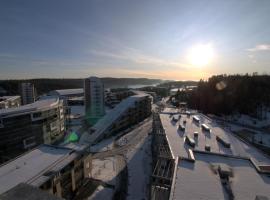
(126, 138)
(104, 145)
(136, 147)
(108, 144)
(139, 169)
(252, 135)
(104, 170)
(249, 121)
(102, 193)
(263, 139)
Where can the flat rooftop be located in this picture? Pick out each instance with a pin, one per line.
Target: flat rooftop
(5, 98)
(179, 146)
(201, 180)
(31, 167)
(38, 105)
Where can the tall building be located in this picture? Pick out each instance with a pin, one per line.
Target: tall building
(27, 126)
(28, 93)
(94, 99)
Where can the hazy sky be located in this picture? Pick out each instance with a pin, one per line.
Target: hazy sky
(132, 38)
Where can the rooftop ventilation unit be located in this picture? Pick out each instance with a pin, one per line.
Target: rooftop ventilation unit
(205, 127)
(223, 141)
(196, 119)
(196, 134)
(190, 141)
(207, 147)
(181, 127)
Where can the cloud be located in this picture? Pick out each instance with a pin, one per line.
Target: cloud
(260, 47)
(135, 56)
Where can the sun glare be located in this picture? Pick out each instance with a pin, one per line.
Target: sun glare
(200, 55)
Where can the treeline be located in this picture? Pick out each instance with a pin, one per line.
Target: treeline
(178, 84)
(46, 85)
(42, 85)
(227, 94)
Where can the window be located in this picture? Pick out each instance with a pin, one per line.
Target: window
(53, 126)
(62, 127)
(29, 142)
(61, 113)
(37, 115)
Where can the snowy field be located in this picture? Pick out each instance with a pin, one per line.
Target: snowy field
(248, 120)
(139, 170)
(251, 134)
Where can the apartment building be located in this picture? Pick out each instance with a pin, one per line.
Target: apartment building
(27, 126)
(60, 171)
(128, 112)
(94, 99)
(28, 93)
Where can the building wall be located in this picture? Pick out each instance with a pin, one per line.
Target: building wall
(141, 110)
(22, 132)
(70, 179)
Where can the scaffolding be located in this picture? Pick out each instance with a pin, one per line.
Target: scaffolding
(163, 162)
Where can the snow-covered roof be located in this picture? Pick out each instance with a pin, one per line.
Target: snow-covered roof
(24, 191)
(8, 98)
(196, 180)
(67, 92)
(31, 167)
(104, 123)
(200, 180)
(176, 138)
(38, 105)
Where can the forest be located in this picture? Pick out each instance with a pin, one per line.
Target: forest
(228, 94)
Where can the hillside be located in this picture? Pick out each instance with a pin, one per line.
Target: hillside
(46, 85)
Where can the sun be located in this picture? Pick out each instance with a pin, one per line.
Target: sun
(200, 55)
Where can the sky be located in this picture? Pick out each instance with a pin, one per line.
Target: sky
(127, 38)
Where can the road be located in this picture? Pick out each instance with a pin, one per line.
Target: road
(138, 134)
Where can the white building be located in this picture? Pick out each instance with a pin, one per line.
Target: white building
(10, 102)
(28, 93)
(25, 127)
(94, 99)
